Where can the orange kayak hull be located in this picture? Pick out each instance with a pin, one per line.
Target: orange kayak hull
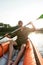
(4, 48)
(29, 58)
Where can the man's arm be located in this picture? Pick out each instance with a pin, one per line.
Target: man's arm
(33, 27)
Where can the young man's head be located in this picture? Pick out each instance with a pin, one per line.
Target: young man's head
(20, 23)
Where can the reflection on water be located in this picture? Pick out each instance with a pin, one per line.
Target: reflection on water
(37, 39)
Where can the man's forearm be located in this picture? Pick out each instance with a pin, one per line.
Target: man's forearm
(33, 26)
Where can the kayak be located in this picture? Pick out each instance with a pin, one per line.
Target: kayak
(4, 48)
(32, 55)
(30, 58)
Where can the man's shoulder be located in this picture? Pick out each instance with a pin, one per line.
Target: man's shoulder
(26, 28)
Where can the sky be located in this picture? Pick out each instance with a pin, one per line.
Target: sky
(11, 11)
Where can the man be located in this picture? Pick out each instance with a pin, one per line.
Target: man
(20, 43)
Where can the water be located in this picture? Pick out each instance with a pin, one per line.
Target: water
(37, 39)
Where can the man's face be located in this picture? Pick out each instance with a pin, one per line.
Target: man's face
(20, 24)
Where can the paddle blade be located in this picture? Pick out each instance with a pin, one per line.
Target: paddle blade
(40, 17)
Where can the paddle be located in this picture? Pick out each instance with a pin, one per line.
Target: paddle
(15, 30)
(24, 25)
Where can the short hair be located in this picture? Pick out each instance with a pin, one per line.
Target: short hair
(20, 22)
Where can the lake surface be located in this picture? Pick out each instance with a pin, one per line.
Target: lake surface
(37, 39)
